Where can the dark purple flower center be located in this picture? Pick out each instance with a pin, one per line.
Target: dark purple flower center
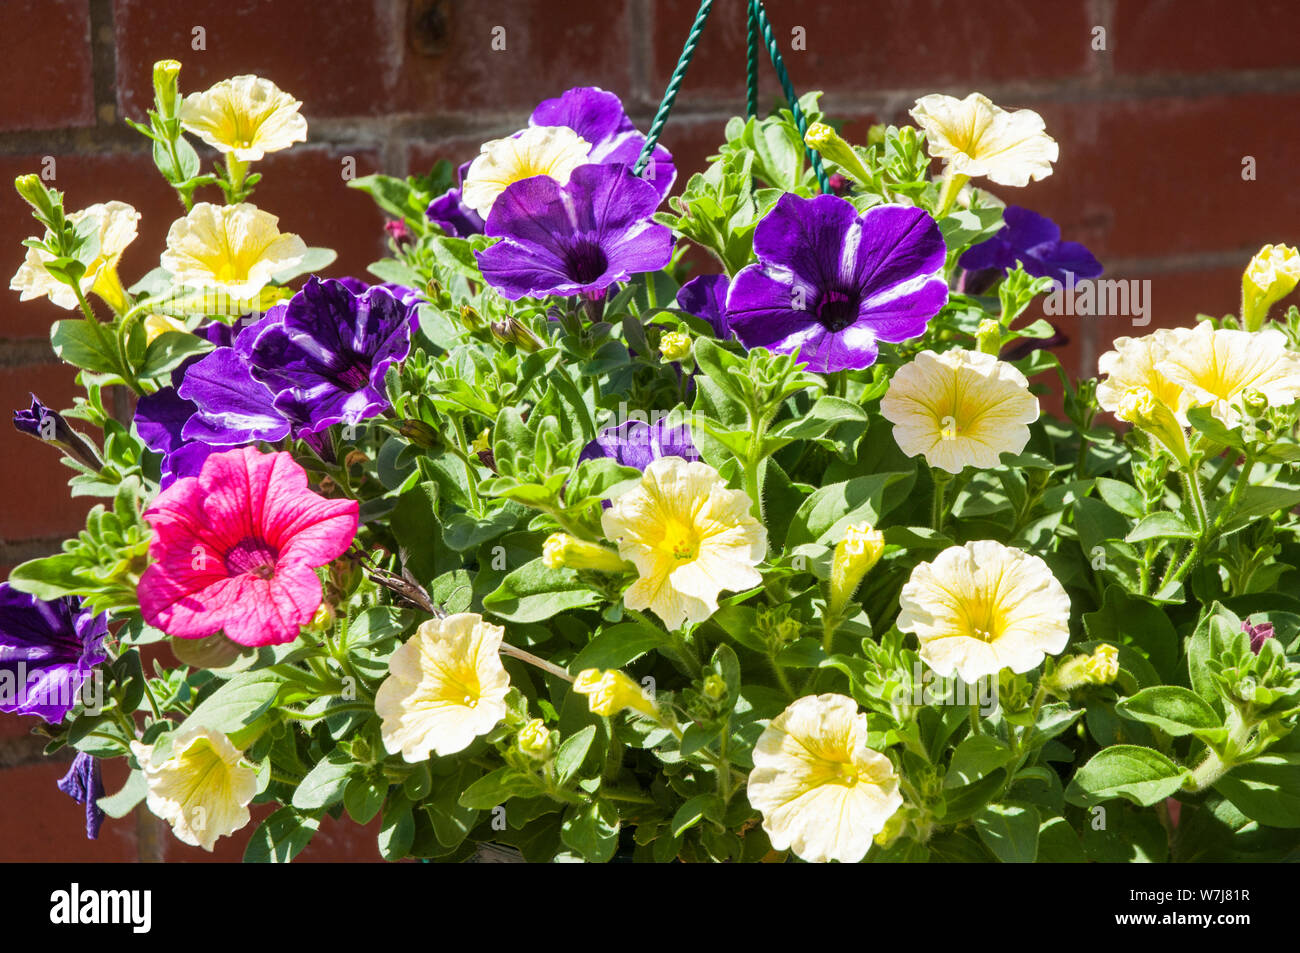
(585, 261)
(836, 310)
(355, 375)
(251, 555)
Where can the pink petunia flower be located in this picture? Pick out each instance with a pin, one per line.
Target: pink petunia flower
(236, 548)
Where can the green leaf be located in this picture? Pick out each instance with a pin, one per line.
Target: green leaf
(1127, 620)
(1010, 831)
(316, 260)
(168, 350)
(1058, 843)
(1120, 497)
(616, 646)
(824, 516)
(124, 801)
(1174, 710)
(50, 577)
(976, 757)
(1160, 526)
(281, 837)
(1142, 775)
(592, 830)
(237, 702)
(572, 753)
(1266, 790)
(1211, 639)
(75, 341)
(533, 592)
(695, 810)
(497, 788)
(324, 784)
(363, 797)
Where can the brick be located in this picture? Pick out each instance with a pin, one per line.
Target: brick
(884, 45)
(48, 62)
(335, 841)
(449, 65)
(1197, 36)
(37, 504)
(38, 822)
(1163, 176)
(334, 55)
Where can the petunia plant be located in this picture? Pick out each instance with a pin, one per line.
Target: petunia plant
(622, 516)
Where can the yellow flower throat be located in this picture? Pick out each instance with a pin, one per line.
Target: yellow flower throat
(680, 541)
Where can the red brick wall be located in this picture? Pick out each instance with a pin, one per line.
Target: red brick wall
(1153, 131)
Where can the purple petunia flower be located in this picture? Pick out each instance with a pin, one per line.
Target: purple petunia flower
(85, 784)
(706, 297)
(47, 651)
(598, 117)
(160, 419)
(573, 239)
(317, 361)
(1035, 241)
(49, 425)
(1258, 634)
(830, 283)
(452, 215)
(635, 443)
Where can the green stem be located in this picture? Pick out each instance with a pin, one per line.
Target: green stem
(941, 479)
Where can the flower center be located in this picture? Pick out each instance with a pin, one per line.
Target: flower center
(585, 261)
(680, 541)
(846, 774)
(254, 556)
(837, 310)
(356, 375)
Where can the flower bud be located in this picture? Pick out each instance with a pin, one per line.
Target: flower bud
(832, 146)
(610, 692)
(33, 191)
(159, 324)
(419, 433)
(1141, 408)
(988, 337)
(471, 318)
(1258, 633)
(534, 740)
(675, 346)
(512, 331)
(715, 687)
(165, 73)
(1254, 403)
(855, 555)
(1080, 671)
(562, 551)
(1271, 275)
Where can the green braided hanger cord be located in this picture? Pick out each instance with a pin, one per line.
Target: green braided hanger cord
(670, 94)
(751, 68)
(757, 12)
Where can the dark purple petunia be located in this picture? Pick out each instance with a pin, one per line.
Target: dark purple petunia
(830, 283)
(85, 784)
(706, 297)
(452, 215)
(1035, 241)
(325, 360)
(317, 361)
(635, 443)
(49, 425)
(598, 117)
(160, 419)
(573, 239)
(47, 651)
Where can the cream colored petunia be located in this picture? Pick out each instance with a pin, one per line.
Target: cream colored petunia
(982, 607)
(690, 538)
(117, 229)
(977, 138)
(822, 792)
(202, 789)
(1216, 368)
(245, 116)
(235, 249)
(1132, 365)
(446, 686)
(539, 150)
(959, 408)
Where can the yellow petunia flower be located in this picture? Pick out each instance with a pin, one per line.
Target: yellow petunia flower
(156, 325)
(959, 408)
(983, 607)
(690, 538)
(245, 116)
(1132, 364)
(117, 229)
(234, 249)
(1271, 275)
(854, 557)
(822, 792)
(1216, 368)
(977, 138)
(202, 789)
(446, 686)
(540, 150)
(610, 692)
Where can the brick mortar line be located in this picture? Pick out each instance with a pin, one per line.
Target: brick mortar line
(13, 552)
(27, 750)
